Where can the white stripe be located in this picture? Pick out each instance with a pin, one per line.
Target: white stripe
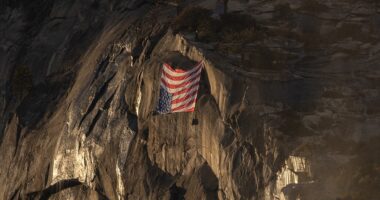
(174, 82)
(176, 105)
(186, 93)
(181, 88)
(167, 70)
(187, 108)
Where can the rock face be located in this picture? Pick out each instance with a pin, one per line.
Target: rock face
(303, 125)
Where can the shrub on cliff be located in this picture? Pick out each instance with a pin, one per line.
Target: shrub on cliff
(190, 19)
(238, 28)
(231, 27)
(208, 30)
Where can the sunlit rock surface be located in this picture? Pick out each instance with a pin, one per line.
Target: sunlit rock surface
(300, 121)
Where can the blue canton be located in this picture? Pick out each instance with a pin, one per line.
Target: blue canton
(164, 103)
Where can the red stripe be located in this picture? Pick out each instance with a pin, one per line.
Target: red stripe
(171, 68)
(184, 98)
(185, 105)
(186, 89)
(178, 70)
(190, 110)
(172, 86)
(179, 78)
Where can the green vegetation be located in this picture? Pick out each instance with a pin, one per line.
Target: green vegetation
(22, 81)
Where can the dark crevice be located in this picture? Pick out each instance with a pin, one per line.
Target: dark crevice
(132, 121)
(2, 133)
(98, 187)
(154, 41)
(93, 123)
(228, 137)
(58, 187)
(98, 95)
(108, 102)
(145, 134)
(106, 106)
(101, 69)
(47, 174)
(15, 194)
(177, 193)
(18, 137)
(53, 189)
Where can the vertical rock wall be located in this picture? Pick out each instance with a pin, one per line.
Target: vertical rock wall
(301, 126)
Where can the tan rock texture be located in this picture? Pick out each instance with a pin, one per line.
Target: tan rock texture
(300, 121)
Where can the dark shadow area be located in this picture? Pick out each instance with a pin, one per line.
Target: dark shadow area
(53, 189)
(177, 193)
(42, 99)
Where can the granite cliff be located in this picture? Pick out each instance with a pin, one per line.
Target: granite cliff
(292, 114)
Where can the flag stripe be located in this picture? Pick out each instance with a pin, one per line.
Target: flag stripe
(187, 109)
(179, 89)
(188, 105)
(188, 95)
(174, 79)
(168, 69)
(187, 89)
(186, 101)
(179, 85)
(185, 92)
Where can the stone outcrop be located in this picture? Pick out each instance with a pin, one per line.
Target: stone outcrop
(300, 121)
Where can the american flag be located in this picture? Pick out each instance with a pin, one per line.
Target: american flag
(178, 89)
